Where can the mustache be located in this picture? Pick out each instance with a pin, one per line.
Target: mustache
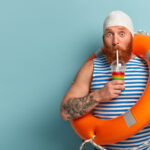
(117, 47)
(124, 53)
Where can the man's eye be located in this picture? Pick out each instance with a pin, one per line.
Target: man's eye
(122, 33)
(108, 34)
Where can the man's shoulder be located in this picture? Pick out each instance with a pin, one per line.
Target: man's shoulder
(137, 63)
(138, 60)
(102, 60)
(87, 66)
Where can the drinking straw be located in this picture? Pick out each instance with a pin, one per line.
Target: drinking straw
(117, 57)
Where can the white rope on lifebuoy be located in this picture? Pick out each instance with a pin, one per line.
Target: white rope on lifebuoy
(92, 142)
(146, 143)
(143, 32)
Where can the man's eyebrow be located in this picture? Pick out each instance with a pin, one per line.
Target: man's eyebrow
(122, 28)
(108, 30)
(119, 28)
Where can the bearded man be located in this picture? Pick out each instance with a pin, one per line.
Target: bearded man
(94, 91)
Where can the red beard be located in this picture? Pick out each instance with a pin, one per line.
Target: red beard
(124, 53)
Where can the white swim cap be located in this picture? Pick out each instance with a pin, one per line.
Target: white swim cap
(118, 18)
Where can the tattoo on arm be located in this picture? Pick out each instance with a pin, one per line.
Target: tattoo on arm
(76, 107)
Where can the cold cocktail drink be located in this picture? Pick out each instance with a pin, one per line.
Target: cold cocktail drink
(118, 70)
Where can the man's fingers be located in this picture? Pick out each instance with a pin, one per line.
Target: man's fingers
(117, 91)
(114, 82)
(119, 87)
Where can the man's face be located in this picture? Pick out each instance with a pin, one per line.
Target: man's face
(117, 38)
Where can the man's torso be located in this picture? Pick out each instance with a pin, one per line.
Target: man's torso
(136, 76)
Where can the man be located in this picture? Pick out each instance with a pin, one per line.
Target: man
(93, 90)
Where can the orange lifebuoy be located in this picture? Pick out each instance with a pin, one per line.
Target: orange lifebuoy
(120, 128)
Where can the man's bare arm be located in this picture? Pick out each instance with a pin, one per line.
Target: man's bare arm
(79, 101)
(77, 107)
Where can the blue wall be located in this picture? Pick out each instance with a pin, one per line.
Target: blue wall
(43, 43)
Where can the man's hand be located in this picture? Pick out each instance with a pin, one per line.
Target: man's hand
(111, 90)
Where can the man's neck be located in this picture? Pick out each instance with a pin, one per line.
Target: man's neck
(132, 56)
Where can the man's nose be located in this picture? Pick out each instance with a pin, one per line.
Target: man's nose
(115, 41)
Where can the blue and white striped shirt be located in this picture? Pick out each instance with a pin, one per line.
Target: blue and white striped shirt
(136, 77)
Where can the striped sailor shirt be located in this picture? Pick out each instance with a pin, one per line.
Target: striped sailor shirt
(136, 77)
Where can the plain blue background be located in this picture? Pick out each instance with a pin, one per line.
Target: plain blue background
(43, 43)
